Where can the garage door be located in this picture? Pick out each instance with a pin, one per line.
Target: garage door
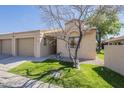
(6, 47)
(25, 47)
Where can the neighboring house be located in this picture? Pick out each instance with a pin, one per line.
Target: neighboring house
(37, 43)
(115, 41)
(114, 54)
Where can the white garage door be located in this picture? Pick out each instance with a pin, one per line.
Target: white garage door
(25, 47)
(6, 47)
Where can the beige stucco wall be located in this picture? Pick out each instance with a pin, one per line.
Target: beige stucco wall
(87, 48)
(20, 35)
(27, 47)
(114, 58)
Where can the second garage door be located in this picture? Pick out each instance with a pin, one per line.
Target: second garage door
(6, 46)
(25, 47)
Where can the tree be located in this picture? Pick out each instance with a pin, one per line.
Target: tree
(107, 23)
(57, 16)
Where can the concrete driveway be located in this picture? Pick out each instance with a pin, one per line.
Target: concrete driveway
(8, 62)
(4, 56)
(9, 80)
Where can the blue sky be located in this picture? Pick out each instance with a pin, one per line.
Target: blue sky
(24, 18)
(20, 18)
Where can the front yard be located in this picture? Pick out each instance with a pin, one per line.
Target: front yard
(101, 54)
(63, 75)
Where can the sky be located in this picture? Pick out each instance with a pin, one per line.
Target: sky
(25, 18)
(20, 18)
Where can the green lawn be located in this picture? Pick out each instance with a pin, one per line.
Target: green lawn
(89, 76)
(101, 55)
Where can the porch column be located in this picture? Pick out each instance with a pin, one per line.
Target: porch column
(14, 46)
(37, 42)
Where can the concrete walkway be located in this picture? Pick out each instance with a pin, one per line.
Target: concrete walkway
(94, 62)
(12, 62)
(97, 61)
(8, 80)
(4, 56)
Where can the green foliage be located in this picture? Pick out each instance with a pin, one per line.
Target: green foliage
(106, 24)
(90, 76)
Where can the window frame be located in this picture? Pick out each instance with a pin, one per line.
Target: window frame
(75, 45)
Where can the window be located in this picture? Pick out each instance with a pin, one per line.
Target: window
(73, 41)
(45, 42)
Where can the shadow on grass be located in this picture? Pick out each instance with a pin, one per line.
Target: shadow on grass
(48, 75)
(66, 66)
(60, 73)
(111, 77)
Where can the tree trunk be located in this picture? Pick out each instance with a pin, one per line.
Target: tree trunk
(99, 41)
(76, 63)
(70, 54)
(99, 46)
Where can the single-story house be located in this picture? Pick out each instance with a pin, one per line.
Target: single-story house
(36, 43)
(115, 41)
